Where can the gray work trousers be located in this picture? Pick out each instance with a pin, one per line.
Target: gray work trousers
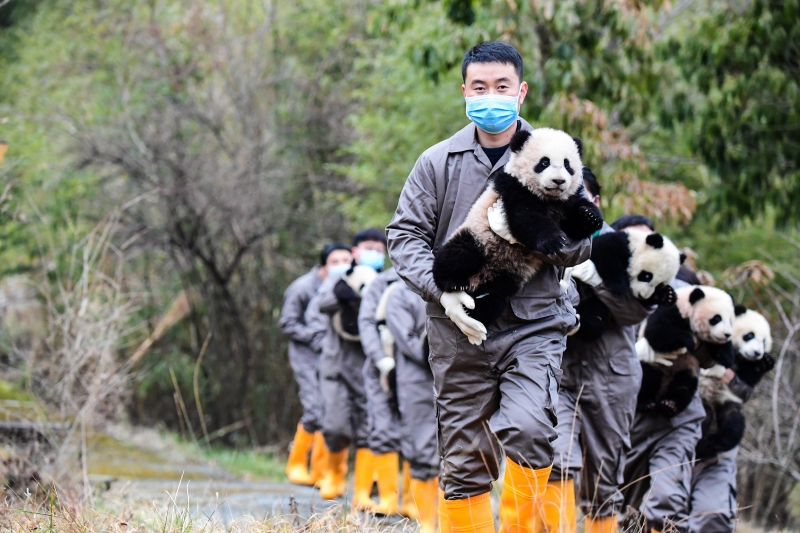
(303, 361)
(419, 442)
(345, 409)
(713, 500)
(504, 390)
(593, 432)
(383, 418)
(658, 472)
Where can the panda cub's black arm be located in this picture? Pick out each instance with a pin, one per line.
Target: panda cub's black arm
(527, 217)
(593, 315)
(581, 217)
(730, 430)
(679, 393)
(751, 372)
(667, 331)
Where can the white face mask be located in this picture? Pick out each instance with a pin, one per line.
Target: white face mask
(338, 270)
(493, 113)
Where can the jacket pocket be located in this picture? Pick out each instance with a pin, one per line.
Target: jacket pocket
(533, 308)
(621, 365)
(442, 338)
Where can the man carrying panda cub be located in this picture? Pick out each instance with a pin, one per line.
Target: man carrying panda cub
(496, 380)
(627, 275)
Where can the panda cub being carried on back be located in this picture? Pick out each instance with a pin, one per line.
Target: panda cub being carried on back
(630, 260)
(540, 194)
(724, 425)
(677, 340)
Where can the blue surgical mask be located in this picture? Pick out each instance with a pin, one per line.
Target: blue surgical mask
(493, 113)
(371, 258)
(338, 270)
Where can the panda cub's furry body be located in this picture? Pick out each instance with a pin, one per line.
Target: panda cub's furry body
(348, 291)
(696, 332)
(631, 260)
(724, 425)
(541, 190)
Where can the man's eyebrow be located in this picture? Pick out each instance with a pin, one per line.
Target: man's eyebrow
(477, 82)
(504, 79)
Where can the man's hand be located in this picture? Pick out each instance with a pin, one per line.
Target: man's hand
(646, 354)
(716, 371)
(385, 365)
(587, 273)
(454, 304)
(387, 340)
(497, 221)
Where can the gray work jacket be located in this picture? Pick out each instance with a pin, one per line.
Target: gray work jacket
(407, 323)
(295, 302)
(444, 183)
(367, 325)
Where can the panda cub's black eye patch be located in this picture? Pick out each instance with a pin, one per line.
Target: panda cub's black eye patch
(716, 319)
(569, 168)
(750, 336)
(645, 276)
(541, 165)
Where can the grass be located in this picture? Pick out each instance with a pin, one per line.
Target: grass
(249, 464)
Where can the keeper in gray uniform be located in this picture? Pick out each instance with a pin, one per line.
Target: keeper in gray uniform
(712, 504)
(496, 381)
(658, 470)
(383, 416)
(334, 260)
(342, 379)
(596, 405)
(406, 321)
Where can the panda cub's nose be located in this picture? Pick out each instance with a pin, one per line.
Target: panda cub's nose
(727, 335)
(559, 182)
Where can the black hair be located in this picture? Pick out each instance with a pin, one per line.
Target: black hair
(372, 234)
(329, 249)
(590, 181)
(626, 221)
(492, 52)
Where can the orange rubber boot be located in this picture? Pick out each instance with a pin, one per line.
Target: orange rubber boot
(444, 518)
(470, 515)
(362, 478)
(425, 497)
(333, 484)
(319, 458)
(523, 489)
(558, 507)
(297, 465)
(407, 507)
(387, 466)
(603, 524)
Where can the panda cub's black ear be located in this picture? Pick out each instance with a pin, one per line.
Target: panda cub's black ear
(518, 140)
(655, 240)
(739, 310)
(579, 144)
(683, 258)
(696, 295)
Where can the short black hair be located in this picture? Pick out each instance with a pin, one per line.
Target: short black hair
(626, 221)
(371, 234)
(492, 52)
(590, 181)
(329, 249)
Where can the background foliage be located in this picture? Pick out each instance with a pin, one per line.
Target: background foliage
(232, 140)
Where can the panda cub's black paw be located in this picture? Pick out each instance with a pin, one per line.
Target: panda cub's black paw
(593, 221)
(455, 286)
(551, 244)
(768, 362)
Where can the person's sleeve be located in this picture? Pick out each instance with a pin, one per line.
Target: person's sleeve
(574, 253)
(412, 232)
(740, 388)
(627, 310)
(292, 321)
(401, 323)
(327, 301)
(316, 323)
(367, 325)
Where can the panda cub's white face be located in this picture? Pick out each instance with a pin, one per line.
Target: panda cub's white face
(655, 260)
(360, 277)
(751, 335)
(709, 310)
(548, 164)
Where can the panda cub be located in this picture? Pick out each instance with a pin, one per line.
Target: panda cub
(692, 333)
(631, 260)
(724, 425)
(541, 191)
(348, 291)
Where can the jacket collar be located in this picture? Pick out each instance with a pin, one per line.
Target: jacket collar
(466, 140)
